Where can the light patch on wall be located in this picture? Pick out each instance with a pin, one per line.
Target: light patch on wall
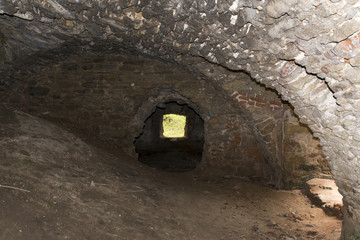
(173, 126)
(233, 19)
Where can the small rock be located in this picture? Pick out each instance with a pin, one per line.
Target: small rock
(312, 233)
(228, 176)
(92, 184)
(272, 224)
(296, 216)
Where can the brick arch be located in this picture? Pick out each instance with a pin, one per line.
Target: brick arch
(148, 107)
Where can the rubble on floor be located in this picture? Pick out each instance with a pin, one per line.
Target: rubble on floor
(324, 193)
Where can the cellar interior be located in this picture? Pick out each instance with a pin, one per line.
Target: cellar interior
(266, 93)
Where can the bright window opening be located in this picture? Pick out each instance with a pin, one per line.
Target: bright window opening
(173, 126)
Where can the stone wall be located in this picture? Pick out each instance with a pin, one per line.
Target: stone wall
(296, 152)
(303, 156)
(111, 96)
(2, 49)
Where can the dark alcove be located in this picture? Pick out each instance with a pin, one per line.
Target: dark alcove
(174, 153)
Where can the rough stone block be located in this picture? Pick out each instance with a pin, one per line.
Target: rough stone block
(324, 192)
(277, 8)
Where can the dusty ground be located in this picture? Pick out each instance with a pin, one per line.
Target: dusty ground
(78, 191)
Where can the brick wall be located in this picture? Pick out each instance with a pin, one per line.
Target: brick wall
(111, 96)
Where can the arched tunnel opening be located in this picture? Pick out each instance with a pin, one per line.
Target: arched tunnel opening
(172, 139)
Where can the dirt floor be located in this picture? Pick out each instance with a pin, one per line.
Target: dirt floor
(69, 189)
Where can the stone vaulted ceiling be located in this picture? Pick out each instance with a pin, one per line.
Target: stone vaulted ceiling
(306, 50)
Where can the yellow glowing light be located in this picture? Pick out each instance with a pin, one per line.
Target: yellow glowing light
(174, 125)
